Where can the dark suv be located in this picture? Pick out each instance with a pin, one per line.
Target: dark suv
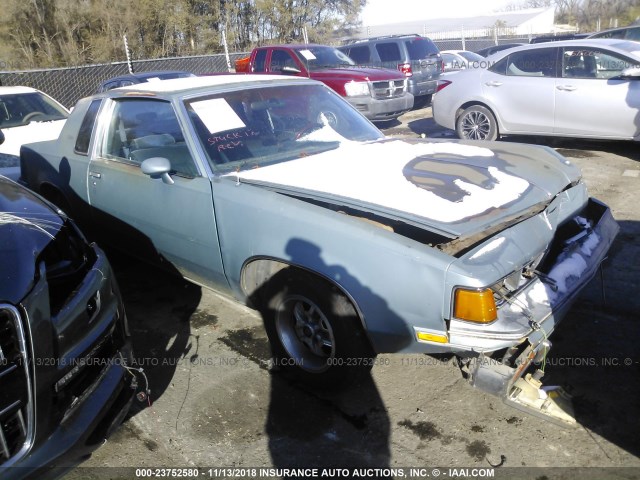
(135, 78)
(415, 56)
(631, 32)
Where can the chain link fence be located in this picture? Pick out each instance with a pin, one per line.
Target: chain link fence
(475, 44)
(68, 85)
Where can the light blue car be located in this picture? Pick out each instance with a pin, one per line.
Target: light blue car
(277, 192)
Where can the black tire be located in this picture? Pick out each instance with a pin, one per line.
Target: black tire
(477, 123)
(315, 333)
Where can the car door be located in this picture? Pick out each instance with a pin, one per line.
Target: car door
(520, 89)
(284, 62)
(170, 223)
(590, 100)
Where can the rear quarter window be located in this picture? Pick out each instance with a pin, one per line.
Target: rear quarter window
(358, 54)
(421, 48)
(388, 52)
(259, 61)
(500, 67)
(86, 128)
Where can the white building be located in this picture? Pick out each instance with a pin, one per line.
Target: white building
(527, 22)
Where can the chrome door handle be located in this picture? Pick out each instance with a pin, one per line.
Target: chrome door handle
(567, 88)
(493, 83)
(95, 174)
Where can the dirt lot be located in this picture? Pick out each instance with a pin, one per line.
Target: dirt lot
(215, 402)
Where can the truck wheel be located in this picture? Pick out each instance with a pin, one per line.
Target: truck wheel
(315, 333)
(477, 123)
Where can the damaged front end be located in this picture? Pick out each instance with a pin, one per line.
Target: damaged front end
(530, 303)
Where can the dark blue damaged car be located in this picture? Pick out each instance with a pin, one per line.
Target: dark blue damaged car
(63, 340)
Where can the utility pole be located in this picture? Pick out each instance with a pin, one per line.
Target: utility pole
(126, 49)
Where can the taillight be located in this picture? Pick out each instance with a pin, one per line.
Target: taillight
(405, 68)
(442, 84)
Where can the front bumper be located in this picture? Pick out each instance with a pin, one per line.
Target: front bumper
(572, 260)
(382, 109)
(97, 417)
(544, 302)
(83, 393)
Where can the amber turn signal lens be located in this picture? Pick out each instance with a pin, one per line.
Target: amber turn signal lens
(475, 306)
(432, 337)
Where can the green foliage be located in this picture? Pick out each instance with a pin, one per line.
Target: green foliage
(587, 14)
(55, 33)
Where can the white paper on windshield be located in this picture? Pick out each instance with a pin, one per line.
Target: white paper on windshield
(307, 54)
(217, 115)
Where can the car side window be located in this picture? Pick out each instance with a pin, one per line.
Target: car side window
(500, 67)
(86, 128)
(388, 52)
(592, 63)
(532, 63)
(359, 54)
(281, 59)
(260, 61)
(617, 34)
(633, 34)
(144, 128)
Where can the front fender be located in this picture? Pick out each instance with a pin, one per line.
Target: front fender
(395, 282)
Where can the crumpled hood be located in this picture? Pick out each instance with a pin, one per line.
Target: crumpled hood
(15, 137)
(454, 187)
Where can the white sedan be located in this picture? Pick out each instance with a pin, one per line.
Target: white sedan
(461, 59)
(579, 88)
(26, 115)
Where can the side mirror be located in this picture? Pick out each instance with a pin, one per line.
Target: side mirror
(158, 167)
(1, 137)
(290, 70)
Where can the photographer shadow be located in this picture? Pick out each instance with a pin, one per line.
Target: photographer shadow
(320, 424)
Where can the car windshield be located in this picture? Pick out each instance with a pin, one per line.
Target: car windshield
(21, 109)
(250, 128)
(316, 57)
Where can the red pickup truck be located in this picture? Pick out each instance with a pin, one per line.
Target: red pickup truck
(378, 93)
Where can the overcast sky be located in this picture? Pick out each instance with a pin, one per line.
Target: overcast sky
(379, 12)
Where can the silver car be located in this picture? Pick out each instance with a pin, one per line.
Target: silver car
(276, 191)
(578, 88)
(461, 59)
